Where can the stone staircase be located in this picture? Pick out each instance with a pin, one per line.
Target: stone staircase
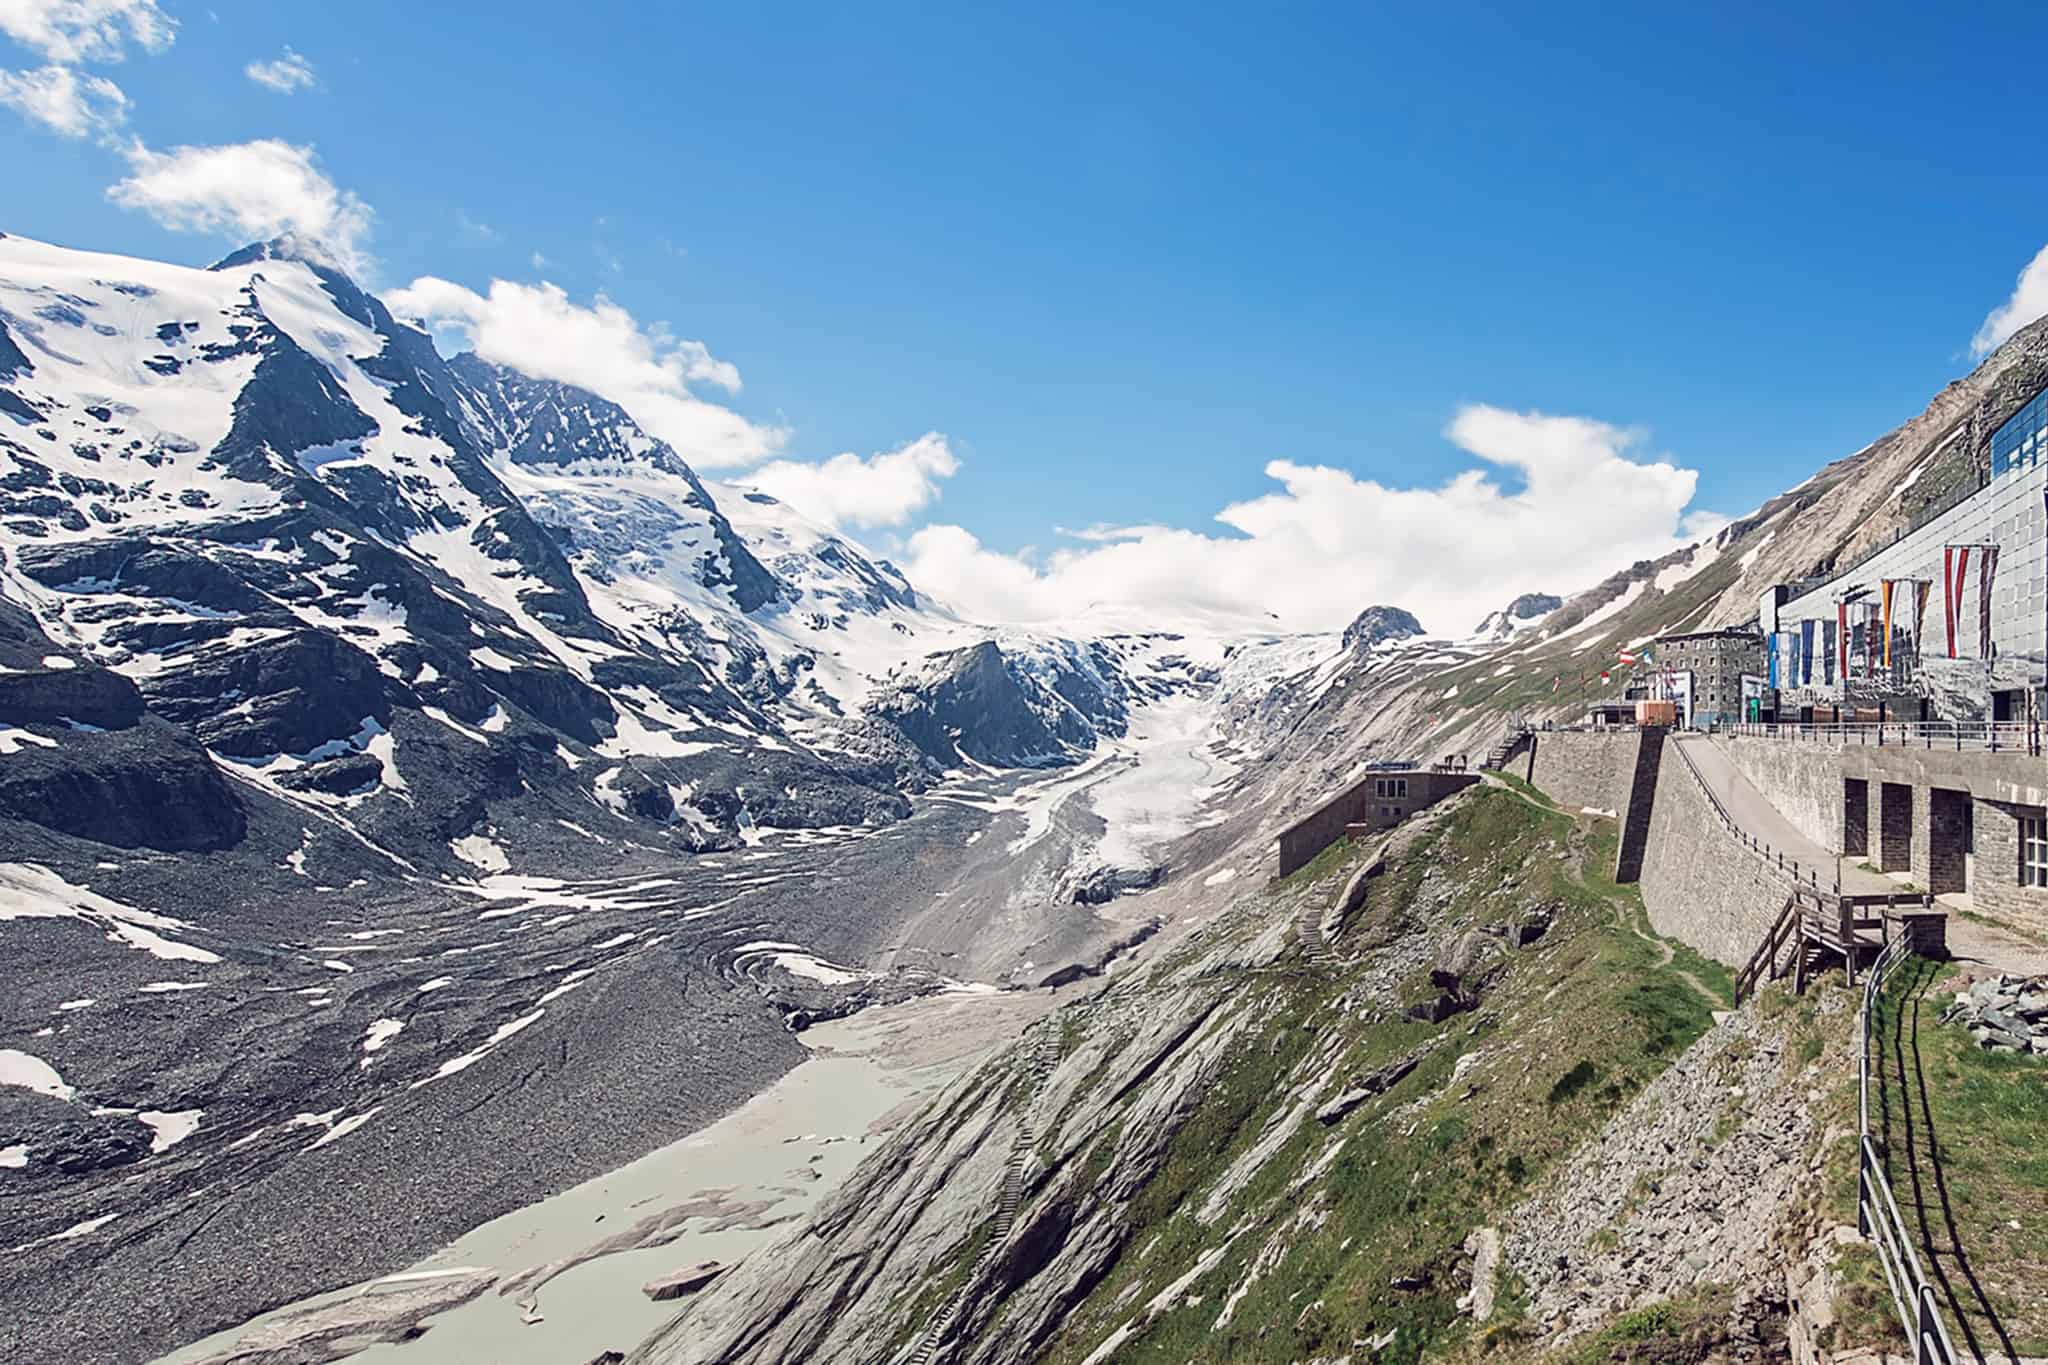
(1308, 932)
(1498, 756)
(1044, 1053)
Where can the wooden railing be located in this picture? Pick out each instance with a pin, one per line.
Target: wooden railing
(1877, 1212)
(1836, 922)
(1764, 960)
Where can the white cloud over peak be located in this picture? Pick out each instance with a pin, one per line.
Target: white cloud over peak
(248, 190)
(2029, 301)
(64, 101)
(284, 74)
(66, 31)
(884, 490)
(647, 370)
(1328, 543)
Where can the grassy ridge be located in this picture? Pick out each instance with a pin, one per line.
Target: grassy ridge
(1595, 1010)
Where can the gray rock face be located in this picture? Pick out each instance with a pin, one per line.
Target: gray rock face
(145, 785)
(78, 696)
(688, 1280)
(1658, 1196)
(970, 703)
(1100, 885)
(1380, 625)
(1530, 606)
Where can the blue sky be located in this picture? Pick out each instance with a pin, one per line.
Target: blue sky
(1126, 261)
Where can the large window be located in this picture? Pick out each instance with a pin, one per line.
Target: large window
(2034, 851)
(1392, 788)
(2018, 444)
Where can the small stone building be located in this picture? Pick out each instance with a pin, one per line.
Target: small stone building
(1383, 798)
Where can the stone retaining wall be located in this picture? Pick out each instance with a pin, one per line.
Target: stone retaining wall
(1702, 886)
(1804, 781)
(1581, 768)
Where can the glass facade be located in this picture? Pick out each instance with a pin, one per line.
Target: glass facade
(2018, 444)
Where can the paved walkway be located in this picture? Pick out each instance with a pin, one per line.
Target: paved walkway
(1754, 813)
(1972, 941)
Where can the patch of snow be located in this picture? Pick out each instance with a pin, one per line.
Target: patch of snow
(1703, 557)
(90, 1225)
(30, 1072)
(1219, 878)
(381, 1031)
(13, 740)
(479, 851)
(32, 891)
(170, 1127)
(471, 1058)
(338, 1131)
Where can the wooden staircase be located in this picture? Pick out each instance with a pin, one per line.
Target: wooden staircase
(1821, 929)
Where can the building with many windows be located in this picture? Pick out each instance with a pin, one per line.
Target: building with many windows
(1717, 661)
(1950, 619)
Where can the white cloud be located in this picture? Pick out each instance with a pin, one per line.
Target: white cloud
(1328, 543)
(65, 101)
(2029, 301)
(651, 373)
(283, 74)
(86, 30)
(884, 490)
(248, 190)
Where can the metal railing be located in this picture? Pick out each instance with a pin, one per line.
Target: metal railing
(1877, 1212)
(1804, 875)
(1990, 736)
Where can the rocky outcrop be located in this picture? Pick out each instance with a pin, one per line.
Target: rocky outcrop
(1100, 885)
(1524, 611)
(687, 1280)
(969, 704)
(73, 696)
(2004, 1013)
(1378, 626)
(1695, 1181)
(146, 786)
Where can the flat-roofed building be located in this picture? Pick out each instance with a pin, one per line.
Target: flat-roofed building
(1379, 801)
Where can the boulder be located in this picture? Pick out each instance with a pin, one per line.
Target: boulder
(688, 1280)
(343, 776)
(1100, 885)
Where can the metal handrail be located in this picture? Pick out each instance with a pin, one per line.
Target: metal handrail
(1993, 736)
(1877, 1211)
(1809, 877)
